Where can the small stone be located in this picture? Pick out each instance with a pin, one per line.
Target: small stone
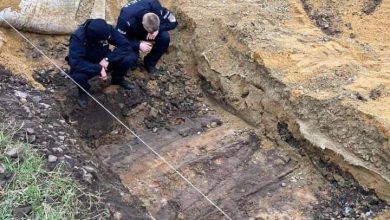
(2, 170)
(58, 149)
(32, 138)
(14, 152)
(73, 141)
(62, 138)
(214, 124)
(30, 130)
(52, 158)
(87, 177)
(67, 157)
(155, 130)
(36, 99)
(89, 169)
(22, 211)
(347, 211)
(117, 216)
(46, 106)
(114, 132)
(153, 112)
(21, 95)
(184, 132)
(369, 214)
(283, 184)
(126, 112)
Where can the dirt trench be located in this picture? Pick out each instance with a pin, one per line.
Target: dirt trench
(249, 171)
(247, 156)
(235, 138)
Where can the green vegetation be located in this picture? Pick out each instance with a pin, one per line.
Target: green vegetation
(51, 194)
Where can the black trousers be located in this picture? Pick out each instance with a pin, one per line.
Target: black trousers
(118, 69)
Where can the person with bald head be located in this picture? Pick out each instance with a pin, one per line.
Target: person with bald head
(145, 23)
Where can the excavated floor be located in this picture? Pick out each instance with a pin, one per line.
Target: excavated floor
(249, 173)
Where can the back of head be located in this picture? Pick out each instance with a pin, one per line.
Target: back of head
(151, 22)
(98, 30)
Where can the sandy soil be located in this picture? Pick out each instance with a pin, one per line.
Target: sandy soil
(9, 3)
(332, 88)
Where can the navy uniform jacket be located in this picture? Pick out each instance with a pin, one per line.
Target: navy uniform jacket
(86, 54)
(130, 20)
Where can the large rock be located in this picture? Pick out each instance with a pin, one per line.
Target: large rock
(50, 16)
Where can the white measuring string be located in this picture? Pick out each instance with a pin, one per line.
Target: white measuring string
(117, 119)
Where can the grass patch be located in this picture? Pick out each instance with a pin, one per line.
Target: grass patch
(51, 194)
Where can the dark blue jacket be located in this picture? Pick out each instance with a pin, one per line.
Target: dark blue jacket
(85, 53)
(130, 19)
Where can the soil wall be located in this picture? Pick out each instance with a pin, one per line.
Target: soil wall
(270, 63)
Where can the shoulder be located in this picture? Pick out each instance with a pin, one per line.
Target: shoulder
(78, 37)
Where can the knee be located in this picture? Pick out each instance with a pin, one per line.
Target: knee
(164, 37)
(130, 60)
(78, 77)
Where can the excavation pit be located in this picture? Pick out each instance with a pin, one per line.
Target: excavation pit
(247, 171)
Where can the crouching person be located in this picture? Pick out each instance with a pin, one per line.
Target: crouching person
(90, 56)
(143, 22)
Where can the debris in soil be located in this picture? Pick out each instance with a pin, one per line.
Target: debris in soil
(377, 92)
(157, 103)
(5, 177)
(52, 159)
(14, 152)
(370, 6)
(172, 96)
(325, 18)
(22, 211)
(335, 203)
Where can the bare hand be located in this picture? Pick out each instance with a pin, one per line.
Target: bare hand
(103, 74)
(145, 46)
(104, 63)
(152, 36)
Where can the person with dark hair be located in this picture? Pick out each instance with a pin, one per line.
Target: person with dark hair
(142, 21)
(90, 56)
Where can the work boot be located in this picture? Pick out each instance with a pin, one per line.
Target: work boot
(123, 83)
(153, 71)
(83, 99)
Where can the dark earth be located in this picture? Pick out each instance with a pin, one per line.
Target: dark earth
(42, 125)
